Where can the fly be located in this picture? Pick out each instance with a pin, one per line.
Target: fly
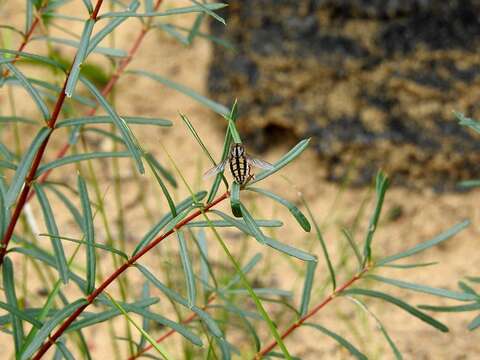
(240, 164)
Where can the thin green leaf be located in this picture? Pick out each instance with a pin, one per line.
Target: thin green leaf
(425, 289)
(474, 279)
(218, 108)
(235, 200)
(353, 245)
(90, 319)
(164, 172)
(155, 345)
(456, 308)
(169, 12)
(321, 240)
(192, 34)
(297, 214)
(11, 297)
(200, 142)
(403, 305)
(234, 132)
(28, 15)
(88, 5)
(381, 186)
(342, 341)
(171, 30)
(307, 286)
(182, 330)
(34, 57)
(7, 154)
(145, 320)
(52, 229)
(127, 135)
(149, 159)
(49, 325)
(425, 245)
(80, 57)
(410, 266)
(22, 314)
(187, 269)
(89, 234)
(99, 50)
(36, 97)
(95, 245)
(474, 324)
(289, 250)
(252, 225)
(17, 119)
(66, 354)
(245, 270)
(109, 120)
(152, 233)
(468, 289)
(261, 292)
(209, 322)
(209, 12)
(283, 161)
(205, 269)
(68, 204)
(108, 29)
(468, 184)
(223, 223)
(396, 352)
(473, 124)
(72, 159)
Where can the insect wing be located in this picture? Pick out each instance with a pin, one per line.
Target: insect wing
(260, 163)
(216, 169)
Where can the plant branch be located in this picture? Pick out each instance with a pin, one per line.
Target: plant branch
(105, 91)
(312, 312)
(90, 298)
(36, 162)
(26, 38)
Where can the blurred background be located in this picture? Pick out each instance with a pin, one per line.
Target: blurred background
(373, 82)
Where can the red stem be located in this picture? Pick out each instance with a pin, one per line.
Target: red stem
(26, 194)
(105, 91)
(307, 316)
(90, 298)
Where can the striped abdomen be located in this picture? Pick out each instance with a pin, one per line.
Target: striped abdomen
(239, 165)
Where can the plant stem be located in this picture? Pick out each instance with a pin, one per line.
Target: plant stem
(38, 158)
(105, 91)
(312, 312)
(89, 299)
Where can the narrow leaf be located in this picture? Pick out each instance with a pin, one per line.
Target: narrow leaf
(209, 12)
(218, 108)
(297, 214)
(474, 324)
(381, 186)
(11, 296)
(149, 158)
(80, 57)
(72, 159)
(425, 245)
(187, 269)
(49, 325)
(235, 200)
(425, 289)
(284, 160)
(307, 287)
(108, 120)
(342, 341)
(24, 166)
(127, 135)
(36, 97)
(252, 225)
(53, 229)
(403, 305)
(456, 308)
(89, 234)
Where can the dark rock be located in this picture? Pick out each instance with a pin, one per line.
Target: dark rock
(374, 82)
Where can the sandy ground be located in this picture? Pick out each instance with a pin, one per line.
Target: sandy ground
(423, 214)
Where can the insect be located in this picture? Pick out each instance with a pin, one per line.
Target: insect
(240, 165)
